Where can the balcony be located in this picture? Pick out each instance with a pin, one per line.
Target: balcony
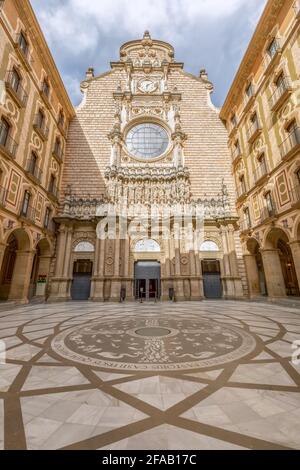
(58, 154)
(3, 194)
(241, 193)
(33, 171)
(23, 53)
(272, 57)
(281, 94)
(16, 92)
(245, 226)
(291, 144)
(249, 98)
(236, 155)
(254, 131)
(53, 192)
(40, 127)
(260, 173)
(267, 214)
(28, 214)
(8, 147)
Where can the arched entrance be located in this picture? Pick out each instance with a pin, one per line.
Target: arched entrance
(147, 275)
(16, 267)
(212, 279)
(288, 268)
(255, 269)
(8, 267)
(279, 265)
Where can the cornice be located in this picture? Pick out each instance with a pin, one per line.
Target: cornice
(29, 19)
(266, 24)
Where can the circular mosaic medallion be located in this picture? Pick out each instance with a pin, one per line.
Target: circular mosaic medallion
(151, 342)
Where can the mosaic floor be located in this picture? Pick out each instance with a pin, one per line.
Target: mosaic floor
(209, 375)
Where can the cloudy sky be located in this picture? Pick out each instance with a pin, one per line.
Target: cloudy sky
(211, 34)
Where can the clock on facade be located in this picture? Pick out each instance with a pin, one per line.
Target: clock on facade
(147, 86)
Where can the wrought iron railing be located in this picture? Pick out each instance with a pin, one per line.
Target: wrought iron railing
(8, 145)
(253, 129)
(34, 170)
(290, 143)
(41, 127)
(260, 172)
(18, 90)
(284, 86)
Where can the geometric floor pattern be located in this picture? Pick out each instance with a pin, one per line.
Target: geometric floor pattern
(175, 376)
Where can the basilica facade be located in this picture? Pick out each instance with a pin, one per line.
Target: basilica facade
(147, 151)
(147, 191)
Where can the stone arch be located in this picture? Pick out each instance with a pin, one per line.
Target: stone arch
(279, 261)
(272, 236)
(17, 266)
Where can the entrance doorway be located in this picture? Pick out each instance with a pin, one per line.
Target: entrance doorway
(212, 279)
(288, 268)
(147, 280)
(82, 279)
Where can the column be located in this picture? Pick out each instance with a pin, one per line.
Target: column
(55, 285)
(179, 291)
(115, 283)
(233, 261)
(21, 276)
(127, 275)
(95, 269)
(295, 249)
(273, 273)
(98, 290)
(252, 275)
(228, 287)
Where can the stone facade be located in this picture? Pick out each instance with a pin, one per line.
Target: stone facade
(34, 115)
(262, 117)
(92, 198)
(194, 171)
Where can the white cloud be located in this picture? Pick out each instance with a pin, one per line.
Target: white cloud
(205, 33)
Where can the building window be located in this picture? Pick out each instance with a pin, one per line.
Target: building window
(269, 203)
(262, 163)
(147, 141)
(233, 121)
(247, 217)
(26, 202)
(4, 132)
(273, 48)
(298, 176)
(40, 119)
(52, 184)
(243, 184)
(57, 147)
(61, 119)
(47, 217)
(249, 90)
(46, 88)
(237, 147)
(33, 163)
(23, 44)
(209, 245)
(15, 80)
(294, 133)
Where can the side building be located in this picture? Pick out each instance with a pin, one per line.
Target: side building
(261, 113)
(34, 116)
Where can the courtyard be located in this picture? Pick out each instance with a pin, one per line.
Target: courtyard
(202, 375)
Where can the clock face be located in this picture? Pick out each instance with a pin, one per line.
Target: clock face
(147, 86)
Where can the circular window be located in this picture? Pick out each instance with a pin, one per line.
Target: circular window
(147, 141)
